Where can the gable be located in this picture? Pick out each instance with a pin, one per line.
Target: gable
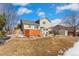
(44, 21)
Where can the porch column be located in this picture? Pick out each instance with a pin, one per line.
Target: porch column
(66, 32)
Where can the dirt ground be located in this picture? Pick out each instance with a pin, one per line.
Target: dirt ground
(48, 46)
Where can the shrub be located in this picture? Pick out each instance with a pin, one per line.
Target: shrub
(2, 34)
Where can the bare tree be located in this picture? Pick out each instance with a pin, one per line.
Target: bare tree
(72, 22)
(8, 10)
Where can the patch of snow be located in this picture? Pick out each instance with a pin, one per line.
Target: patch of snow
(9, 35)
(21, 35)
(61, 51)
(73, 51)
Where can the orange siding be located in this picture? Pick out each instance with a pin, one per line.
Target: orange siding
(26, 33)
(32, 32)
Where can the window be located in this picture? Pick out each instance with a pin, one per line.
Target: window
(44, 22)
(36, 27)
(29, 26)
(46, 29)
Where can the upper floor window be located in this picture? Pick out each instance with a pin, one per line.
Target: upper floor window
(44, 22)
(29, 26)
(36, 27)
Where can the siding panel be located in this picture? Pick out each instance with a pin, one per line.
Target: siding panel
(32, 32)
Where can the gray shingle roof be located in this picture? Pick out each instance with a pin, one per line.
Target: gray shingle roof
(29, 22)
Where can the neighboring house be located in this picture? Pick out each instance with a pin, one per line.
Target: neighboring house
(63, 30)
(44, 25)
(60, 30)
(30, 28)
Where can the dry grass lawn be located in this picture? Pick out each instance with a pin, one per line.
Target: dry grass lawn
(48, 46)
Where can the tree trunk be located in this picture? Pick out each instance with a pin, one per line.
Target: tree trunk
(74, 31)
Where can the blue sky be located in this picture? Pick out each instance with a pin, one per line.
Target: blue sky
(35, 11)
(55, 12)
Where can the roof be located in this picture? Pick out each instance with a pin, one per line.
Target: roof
(58, 27)
(41, 19)
(29, 22)
(37, 21)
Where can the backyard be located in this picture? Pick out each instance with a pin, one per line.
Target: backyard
(47, 46)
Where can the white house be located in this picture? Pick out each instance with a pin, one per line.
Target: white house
(45, 24)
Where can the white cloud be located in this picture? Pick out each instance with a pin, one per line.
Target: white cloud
(73, 6)
(20, 4)
(23, 10)
(41, 13)
(56, 22)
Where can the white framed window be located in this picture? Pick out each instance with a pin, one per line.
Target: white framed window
(36, 27)
(29, 26)
(44, 22)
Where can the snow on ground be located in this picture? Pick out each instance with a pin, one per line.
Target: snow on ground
(73, 51)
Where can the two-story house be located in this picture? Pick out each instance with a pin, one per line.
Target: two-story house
(30, 28)
(44, 25)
